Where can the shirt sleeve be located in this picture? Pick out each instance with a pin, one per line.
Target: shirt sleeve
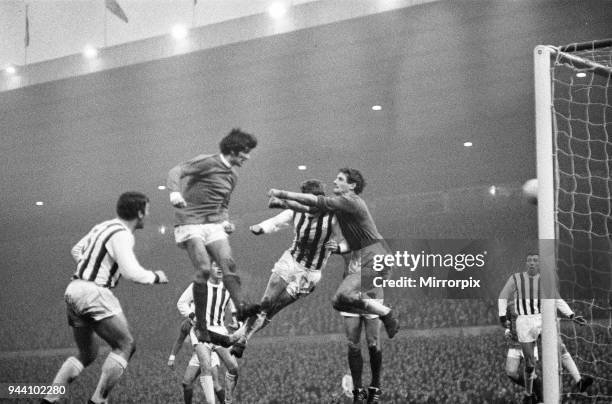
(185, 301)
(338, 236)
(278, 222)
(79, 248)
(197, 165)
(505, 294)
(121, 248)
(564, 308)
(333, 203)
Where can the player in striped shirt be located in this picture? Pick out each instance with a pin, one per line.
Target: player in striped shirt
(362, 236)
(192, 371)
(218, 299)
(524, 290)
(103, 256)
(200, 190)
(298, 270)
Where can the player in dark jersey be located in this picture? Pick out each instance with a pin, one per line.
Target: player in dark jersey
(103, 256)
(298, 270)
(362, 236)
(200, 190)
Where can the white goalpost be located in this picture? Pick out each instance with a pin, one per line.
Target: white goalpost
(573, 111)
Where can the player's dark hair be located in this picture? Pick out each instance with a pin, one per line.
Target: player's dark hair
(353, 176)
(130, 204)
(237, 141)
(313, 186)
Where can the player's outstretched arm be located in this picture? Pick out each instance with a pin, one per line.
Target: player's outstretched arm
(120, 247)
(305, 199)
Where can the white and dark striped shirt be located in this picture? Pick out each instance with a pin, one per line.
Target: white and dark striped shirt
(106, 253)
(524, 291)
(311, 232)
(218, 299)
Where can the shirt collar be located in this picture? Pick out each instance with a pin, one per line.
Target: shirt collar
(227, 164)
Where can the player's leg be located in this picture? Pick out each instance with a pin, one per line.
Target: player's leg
(275, 298)
(221, 253)
(581, 383)
(74, 365)
(352, 330)
(513, 362)
(202, 265)
(231, 374)
(372, 331)
(115, 331)
(203, 352)
(530, 366)
(192, 371)
(214, 369)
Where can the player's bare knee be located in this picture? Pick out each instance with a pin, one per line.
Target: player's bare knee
(373, 343)
(187, 385)
(354, 346)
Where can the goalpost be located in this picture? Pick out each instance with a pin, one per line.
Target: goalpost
(573, 102)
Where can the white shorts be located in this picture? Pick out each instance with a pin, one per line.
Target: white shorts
(214, 360)
(366, 316)
(87, 303)
(300, 280)
(517, 353)
(528, 327)
(208, 232)
(214, 328)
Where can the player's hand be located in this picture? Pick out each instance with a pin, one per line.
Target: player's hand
(177, 200)
(228, 226)
(160, 277)
(508, 334)
(274, 192)
(504, 322)
(333, 246)
(171, 363)
(256, 229)
(581, 321)
(276, 203)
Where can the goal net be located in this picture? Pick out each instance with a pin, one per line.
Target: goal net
(574, 131)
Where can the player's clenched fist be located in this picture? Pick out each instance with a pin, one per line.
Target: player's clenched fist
(160, 277)
(277, 193)
(176, 199)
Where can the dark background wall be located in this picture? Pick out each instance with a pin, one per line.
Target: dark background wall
(444, 73)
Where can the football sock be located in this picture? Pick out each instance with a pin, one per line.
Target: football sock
(112, 369)
(208, 388)
(230, 385)
(355, 361)
(187, 393)
(70, 370)
(570, 366)
(375, 364)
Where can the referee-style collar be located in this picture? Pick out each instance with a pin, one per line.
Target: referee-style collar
(227, 163)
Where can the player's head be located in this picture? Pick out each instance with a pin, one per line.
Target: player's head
(216, 272)
(347, 180)
(313, 186)
(237, 145)
(532, 263)
(133, 206)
